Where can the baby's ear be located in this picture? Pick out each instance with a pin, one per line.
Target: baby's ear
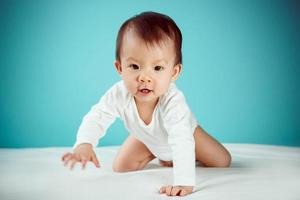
(118, 67)
(176, 71)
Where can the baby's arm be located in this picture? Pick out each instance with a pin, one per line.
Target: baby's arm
(93, 127)
(184, 167)
(180, 124)
(82, 153)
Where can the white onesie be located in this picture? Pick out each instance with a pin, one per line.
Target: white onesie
(169, 136)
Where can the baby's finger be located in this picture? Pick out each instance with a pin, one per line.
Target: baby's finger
(64, 156)
(183, 192)
(95, 161)
(169, 190)
(73, 163)
(162, 190)
(175, 191)
(84, 161)
(67, 159)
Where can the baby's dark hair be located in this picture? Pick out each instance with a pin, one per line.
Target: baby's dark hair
(153, 28)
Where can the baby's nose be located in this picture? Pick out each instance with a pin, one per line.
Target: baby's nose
(144, 78)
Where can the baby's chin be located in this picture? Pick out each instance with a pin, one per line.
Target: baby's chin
(146, 99)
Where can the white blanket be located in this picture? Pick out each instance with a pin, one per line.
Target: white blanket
(257, 172)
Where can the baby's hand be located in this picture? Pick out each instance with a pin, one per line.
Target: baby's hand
(176, 190)
(82, 153)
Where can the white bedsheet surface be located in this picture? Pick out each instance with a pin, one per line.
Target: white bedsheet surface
(257, 172)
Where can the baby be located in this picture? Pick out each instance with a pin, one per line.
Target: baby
(153, 109)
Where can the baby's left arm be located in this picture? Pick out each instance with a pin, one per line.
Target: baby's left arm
(180, 125)
(183, 153)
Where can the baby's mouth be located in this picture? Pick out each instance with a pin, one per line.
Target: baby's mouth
(145, 91)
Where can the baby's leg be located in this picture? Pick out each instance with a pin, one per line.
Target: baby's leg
(209, 151)
(133, 155)
(166, 163)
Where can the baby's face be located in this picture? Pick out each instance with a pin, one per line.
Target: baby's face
(147, 71)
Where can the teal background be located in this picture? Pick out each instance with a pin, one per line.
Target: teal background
(240, 77)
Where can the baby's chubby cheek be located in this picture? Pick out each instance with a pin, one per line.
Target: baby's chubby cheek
(162, 87)
(131, 86)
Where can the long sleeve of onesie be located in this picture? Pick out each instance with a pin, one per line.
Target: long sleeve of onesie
(180, 128)
(98, 119)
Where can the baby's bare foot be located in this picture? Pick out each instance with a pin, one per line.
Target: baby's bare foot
(166, 163)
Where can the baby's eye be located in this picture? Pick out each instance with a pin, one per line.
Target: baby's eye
(134, 66)
(158, 68)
